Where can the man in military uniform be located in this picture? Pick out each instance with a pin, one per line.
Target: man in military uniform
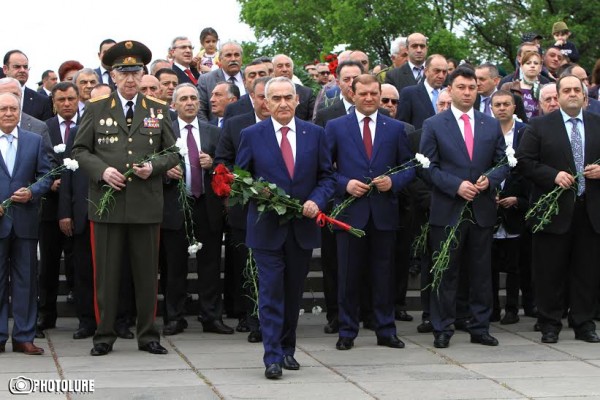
(117, 134)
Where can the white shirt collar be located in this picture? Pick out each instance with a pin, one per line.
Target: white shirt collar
(181, 67)
(124, 101)
(567, 117)
(183, 124)
(277, 126)
(61, 119)
(458, 114)
(14, 133)
(362, 116)
(347, 104)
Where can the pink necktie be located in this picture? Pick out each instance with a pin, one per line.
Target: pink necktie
(286, 151)
(367, 140)
(468, 135)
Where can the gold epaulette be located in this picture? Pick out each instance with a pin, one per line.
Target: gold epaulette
(164, 103)
(95, 99)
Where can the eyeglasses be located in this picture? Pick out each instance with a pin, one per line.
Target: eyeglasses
(184, 47)
(386, 100)
(324, 73)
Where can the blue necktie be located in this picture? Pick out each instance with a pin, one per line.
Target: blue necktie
(10, 153)
(577, 148)
(434, 99)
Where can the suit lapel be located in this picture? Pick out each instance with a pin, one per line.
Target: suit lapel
(380, 129)
(301, 144)
(354, 132)
(479, 130)
(455, 134)
(563, 141)
(138, 116)
(424, 97)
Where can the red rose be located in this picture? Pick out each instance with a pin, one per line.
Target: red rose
(222, 180)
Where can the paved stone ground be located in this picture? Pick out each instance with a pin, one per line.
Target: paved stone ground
(209, 366)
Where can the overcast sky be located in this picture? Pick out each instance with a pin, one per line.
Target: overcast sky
(50, 32)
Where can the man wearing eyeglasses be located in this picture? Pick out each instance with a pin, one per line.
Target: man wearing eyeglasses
(182, 52)
(16, 65)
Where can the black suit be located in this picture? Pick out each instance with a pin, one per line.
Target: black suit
(401, 77)
(415, 105)
(519, 107)
(242, 106)
(182, 76)
(108, 81)
(207, 215)
(52, 242)
(568, 248)
(236, 296)
(37, 105)
(306, 103)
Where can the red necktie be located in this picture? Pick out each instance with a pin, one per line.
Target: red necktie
(191, 76)
(367, 140)
(468, 135)
(286, 151)
(67, 130)
(195, 169)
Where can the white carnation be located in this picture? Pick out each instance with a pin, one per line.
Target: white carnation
(193, 249)
(71, 164)
(317, 310)
(510, 151)
(60, 148)
(301, 312)
(181, 144)
(424, 161)
(512, 161)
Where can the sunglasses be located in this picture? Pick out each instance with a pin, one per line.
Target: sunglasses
(324, 73)
(385, 100)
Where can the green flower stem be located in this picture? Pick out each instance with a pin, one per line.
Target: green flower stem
(55, 171)
(251, 281)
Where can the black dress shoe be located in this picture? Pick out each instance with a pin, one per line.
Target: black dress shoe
(173, 328)
(509, 318)
(217, 326)
(123, 332)
(255, 337)
(402, 315)
(485, 339)
(242, 326)
(153, 348)
(332, 327)
(425, 327)
(441, 341)
(549, 337)
(390, 341)
(344, 343)
(588, 336)
(289, 362)
(101, 349)
(83, 333)
(273, 371)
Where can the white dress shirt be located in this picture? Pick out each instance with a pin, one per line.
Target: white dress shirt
(291, 135)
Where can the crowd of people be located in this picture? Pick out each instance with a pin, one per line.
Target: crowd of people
(120, 220)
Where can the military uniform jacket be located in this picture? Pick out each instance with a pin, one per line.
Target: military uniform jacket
(105, 141)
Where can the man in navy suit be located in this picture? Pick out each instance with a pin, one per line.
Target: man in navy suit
(364, 145)
(235, 235)
(103, 71)
(23, 160)
(418, 102)
(292, 154)
(284, 66)
(462, 144)
(16, 65)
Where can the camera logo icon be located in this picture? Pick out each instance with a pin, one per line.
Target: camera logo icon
(20, 385)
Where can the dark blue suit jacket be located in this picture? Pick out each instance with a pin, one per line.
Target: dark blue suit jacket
(31, 163)
(37, 105)
(50, 201)
(593, 106)
(390, 148)
(415, 105)
(259, 153)
(242, 106)
(443, 143)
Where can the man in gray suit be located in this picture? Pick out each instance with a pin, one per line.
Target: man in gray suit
(231, 64)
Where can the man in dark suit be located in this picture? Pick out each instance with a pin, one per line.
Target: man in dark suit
(411, 72)
(103, 71)
(462, 144)
(206, 220)
(16, 65)
(52, 241)
(182, 52)
(513, 202)
(230, 57)
(236, 250)
(49, 79)
(418, 102)
(292, 154)
(106, 151)
(284, 66)
(554, 148)
(23, 160)
(364, 145)
(487, 83)
(256, 69)
(222, 95)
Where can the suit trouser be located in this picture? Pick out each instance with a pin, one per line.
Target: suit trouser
(474, 250)
(505, 258)
(52, 242)
(281, 274)
(330, 273)
(18, 259)
(375, 249)
(572, 258)
(111, 242)
(84, 279)
(174, 273)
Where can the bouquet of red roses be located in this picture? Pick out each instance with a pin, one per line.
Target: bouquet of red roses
(240, 187)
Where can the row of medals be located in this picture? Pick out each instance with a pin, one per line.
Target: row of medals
(112, 139)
